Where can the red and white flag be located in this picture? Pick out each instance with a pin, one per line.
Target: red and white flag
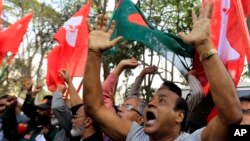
(227, 37)
(72, 50)
(226, 33)
(73, 39)
(52, 77)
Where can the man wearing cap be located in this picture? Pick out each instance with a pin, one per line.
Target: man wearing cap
(245, 106)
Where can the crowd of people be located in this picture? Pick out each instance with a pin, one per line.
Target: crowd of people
(166, 117)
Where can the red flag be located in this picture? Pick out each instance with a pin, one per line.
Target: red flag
(246, 7)
(52, 77)
(2, 56)
(225, 27)
(73, 38)
(12, 37)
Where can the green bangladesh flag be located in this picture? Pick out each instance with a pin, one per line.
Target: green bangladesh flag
(133, 26)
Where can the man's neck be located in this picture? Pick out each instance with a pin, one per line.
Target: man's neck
(88, 132)
(166, 137)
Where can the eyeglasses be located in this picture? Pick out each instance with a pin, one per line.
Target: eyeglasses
(129, 107)
(246, 111)
(77, 116)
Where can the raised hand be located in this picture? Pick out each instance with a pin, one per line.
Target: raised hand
(200, 33)
(99, 39)
(129, 63)
(37, 89)
(65, 75)
(27, 84)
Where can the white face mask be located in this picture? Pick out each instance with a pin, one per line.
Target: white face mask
(75, 132)
(54, 121)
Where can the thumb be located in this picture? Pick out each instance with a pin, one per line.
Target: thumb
(116, 40)
(184, 37)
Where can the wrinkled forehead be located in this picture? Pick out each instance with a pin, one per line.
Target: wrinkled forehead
(165, 92)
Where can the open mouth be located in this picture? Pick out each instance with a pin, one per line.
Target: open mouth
(150, 118)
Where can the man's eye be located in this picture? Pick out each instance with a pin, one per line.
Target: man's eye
(162, 100)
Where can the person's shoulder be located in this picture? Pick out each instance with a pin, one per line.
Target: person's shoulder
(195, 136)
(136, 132)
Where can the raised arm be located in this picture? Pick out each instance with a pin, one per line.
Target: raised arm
(74, 97)
(108, 86)
(135, 90)
(221, 84)
(111, 124)
(60, 110)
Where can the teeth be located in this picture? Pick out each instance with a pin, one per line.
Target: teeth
(151, 121)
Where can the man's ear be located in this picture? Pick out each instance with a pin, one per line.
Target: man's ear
(179, 116)
(140, 120)
(87, 122)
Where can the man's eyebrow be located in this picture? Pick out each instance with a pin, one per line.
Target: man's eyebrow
(162, 95)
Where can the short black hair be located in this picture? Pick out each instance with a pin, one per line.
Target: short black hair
(172, 87)
(245, 98)
(181, 105)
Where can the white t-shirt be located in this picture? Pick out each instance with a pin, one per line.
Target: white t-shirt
(136, 133)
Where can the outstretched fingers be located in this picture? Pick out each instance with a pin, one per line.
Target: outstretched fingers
(194, 17)
(104, 23)
(98, 22)
(90, 28)
(209, 9)
(112, 27)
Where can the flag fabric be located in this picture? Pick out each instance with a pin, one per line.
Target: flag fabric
(246, 7)
(2, 56)
(52, 77)
(12, 37)
(133, 26)
(72, 51)
(225, 27)
(73, 39)
(243, 11)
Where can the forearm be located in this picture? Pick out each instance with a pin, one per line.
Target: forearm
(118, 69)
(222, 88)
(93, 97)
(74, 97)
(61, 111)
(108, 88)
(29, 107)
(135, 90)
